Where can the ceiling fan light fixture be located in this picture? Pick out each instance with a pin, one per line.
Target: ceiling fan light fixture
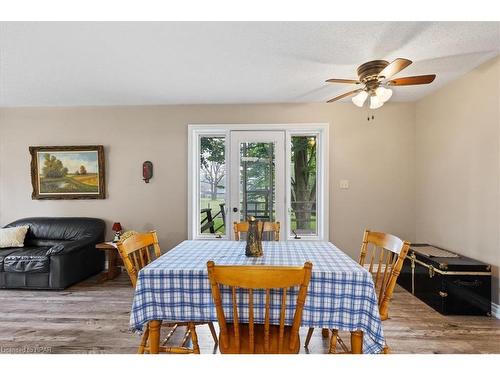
(360, 98)
(375, 76)
(375, 102)
(383, 94)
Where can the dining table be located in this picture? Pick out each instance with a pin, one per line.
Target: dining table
(341, 294)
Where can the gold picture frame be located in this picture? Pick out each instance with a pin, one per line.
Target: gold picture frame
(67, 172)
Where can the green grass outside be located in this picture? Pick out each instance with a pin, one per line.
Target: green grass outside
(312, 224)
(214, 205)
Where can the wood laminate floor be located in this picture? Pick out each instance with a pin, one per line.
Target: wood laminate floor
(93, 318)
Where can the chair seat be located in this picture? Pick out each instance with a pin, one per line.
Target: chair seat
(25, 259)
(232, 347)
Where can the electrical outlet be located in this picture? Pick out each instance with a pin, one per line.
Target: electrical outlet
(344, 184)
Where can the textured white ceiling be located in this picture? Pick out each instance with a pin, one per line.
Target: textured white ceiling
(132, 63)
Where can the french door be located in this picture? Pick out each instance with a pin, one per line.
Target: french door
(257, 178)
(274, 172)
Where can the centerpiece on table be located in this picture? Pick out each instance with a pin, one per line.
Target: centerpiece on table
(254, 238)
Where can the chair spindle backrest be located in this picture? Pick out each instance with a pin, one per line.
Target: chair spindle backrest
(138, 251)
(386, 254)
(269, 227)
(259, 277)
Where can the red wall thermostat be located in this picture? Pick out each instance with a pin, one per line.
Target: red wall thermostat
(147, 171)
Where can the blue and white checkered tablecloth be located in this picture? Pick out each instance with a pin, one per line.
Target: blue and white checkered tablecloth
(341, 293)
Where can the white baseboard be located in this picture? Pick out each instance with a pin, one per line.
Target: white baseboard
(495, 310)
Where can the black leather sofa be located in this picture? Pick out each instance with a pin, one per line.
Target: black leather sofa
(57, 252)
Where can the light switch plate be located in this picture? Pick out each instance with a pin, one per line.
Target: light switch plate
(344, 184)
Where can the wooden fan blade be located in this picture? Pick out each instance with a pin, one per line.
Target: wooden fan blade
(344, 95)
(394, 67)
(416, 80)
(339, 80)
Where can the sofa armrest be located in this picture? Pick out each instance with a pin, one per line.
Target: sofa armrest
(69, 247)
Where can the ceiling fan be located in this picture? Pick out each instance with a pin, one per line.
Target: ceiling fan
(375, 76)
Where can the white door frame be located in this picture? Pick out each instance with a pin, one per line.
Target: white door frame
(197, 130)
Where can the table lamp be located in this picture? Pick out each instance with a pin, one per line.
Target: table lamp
(117, 228)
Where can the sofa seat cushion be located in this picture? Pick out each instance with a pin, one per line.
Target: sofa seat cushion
(25, 259)
(5, 253)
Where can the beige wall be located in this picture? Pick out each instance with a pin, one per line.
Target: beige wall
(428, 171)
(458, 167)
(377, 157)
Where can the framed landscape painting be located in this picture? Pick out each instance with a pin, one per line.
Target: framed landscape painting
(67, 172)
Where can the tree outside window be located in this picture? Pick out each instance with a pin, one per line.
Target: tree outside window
(303, 184)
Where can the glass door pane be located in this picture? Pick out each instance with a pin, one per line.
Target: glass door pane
(303, 171)
(212, 185)
(257, 174)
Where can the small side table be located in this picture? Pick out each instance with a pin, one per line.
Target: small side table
(112, 258)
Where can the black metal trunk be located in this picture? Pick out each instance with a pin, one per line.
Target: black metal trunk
(451, 285)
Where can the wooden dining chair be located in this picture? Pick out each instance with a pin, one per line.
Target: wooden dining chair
(127, 234)
(137, 251)
(251, 338)
(269, 227)
(385, 254)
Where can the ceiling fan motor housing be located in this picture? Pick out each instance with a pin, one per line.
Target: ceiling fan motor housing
(370, 70)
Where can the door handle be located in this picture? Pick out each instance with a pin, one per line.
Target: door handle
(235, 209)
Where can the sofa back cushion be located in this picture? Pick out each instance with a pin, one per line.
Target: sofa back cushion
(60, 228)
(13, 237)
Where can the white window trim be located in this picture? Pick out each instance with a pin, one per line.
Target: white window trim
(318, 129)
